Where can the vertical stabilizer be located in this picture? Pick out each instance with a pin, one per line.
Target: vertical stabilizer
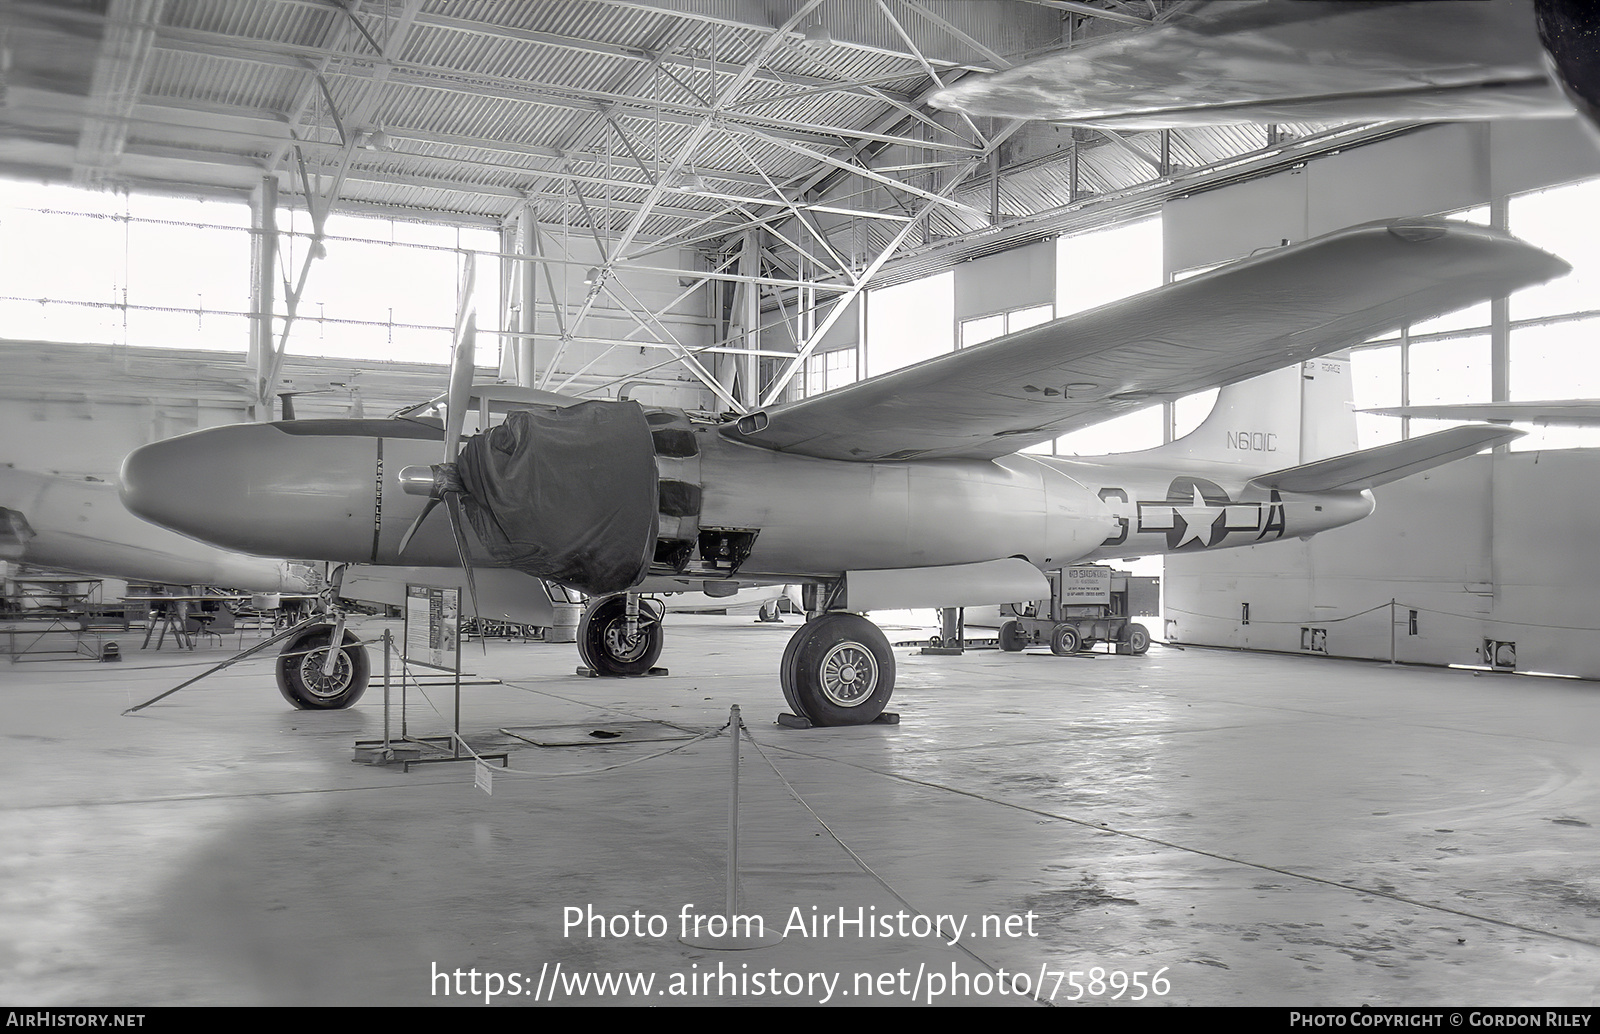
(1281, 419)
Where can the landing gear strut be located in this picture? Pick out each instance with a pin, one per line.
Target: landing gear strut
(607, 645)
(304, 683)
(837, 670)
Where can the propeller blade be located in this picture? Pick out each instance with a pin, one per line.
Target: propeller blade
(453, 509)
(406, 541)
(460, 396)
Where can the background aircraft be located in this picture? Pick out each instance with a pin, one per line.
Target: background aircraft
(80, 525)
(903, 490)
(1311, 60)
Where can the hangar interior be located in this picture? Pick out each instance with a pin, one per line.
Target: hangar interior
(219, 211)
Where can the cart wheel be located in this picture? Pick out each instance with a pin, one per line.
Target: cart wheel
(1012, 638)
(1064, 640)
(1138, 639)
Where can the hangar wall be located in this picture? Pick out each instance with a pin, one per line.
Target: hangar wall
(1494, 547)
(1491, 547)
(1440, 169)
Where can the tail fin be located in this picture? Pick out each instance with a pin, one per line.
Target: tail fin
(1281, 419)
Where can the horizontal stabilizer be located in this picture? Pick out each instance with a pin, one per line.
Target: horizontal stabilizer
(1567, 412)
(1370, 468)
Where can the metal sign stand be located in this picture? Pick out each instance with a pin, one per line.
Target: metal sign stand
(438, 636)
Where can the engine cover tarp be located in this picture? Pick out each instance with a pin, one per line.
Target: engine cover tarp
(566, 494)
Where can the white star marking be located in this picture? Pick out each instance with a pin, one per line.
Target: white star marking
(1199, 520)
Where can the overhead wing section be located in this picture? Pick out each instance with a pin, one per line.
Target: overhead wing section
(1260, 314)
(1280, 61)
(1370, 468)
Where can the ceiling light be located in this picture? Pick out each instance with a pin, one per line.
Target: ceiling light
(592, 277)
(375, 140)
(816, 35)
(689, 182)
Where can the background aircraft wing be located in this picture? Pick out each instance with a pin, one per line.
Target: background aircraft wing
(1263, 313)
(1279, 61)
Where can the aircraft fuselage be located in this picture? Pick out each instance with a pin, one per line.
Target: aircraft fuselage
(328, 490)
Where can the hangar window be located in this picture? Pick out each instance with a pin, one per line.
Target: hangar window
(1440, 361)
(1091, 270)
(831, 370)
(1554, 325)
(94, 267)
(1551, 332)
(910, 322)
(387, 288)
(986, 328)
(174, 272)
(1103, 266)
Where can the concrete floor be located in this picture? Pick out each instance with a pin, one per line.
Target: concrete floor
(1256, 830)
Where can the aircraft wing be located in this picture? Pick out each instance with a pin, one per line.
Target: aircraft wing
(1568, 413)
(1370, 468)
(1266, 312)
(1280, 61)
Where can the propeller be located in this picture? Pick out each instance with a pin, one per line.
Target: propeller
(440, 481)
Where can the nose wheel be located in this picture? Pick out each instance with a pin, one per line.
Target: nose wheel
(606, 645)
(304, 683)
(838, 669)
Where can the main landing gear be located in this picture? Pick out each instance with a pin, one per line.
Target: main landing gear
(838, 668)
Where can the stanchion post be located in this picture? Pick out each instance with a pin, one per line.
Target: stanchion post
(387, 639)
(1391, 631)
(731, 939)
(733, 812)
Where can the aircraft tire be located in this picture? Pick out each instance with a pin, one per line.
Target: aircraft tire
(841, 671)
(300, 677)
(1064, 639)
(787, 675)
(603, 641)
(1011, 638)
(1138, 639)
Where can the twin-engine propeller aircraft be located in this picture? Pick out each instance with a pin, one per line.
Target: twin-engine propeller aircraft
(903, 490)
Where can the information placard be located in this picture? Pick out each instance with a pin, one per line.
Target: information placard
(433, 627)
(1083, 585)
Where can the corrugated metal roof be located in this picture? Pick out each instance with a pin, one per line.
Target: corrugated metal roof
(579, 108)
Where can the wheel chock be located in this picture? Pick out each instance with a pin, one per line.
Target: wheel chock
(590, 673)
(794, 721)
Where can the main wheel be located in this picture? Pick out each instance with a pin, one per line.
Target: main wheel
(1011, 637)
(300, 676)
(787, 677)
(1138, 639)
(838, 670)
(604, 643)
(1064, 639)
